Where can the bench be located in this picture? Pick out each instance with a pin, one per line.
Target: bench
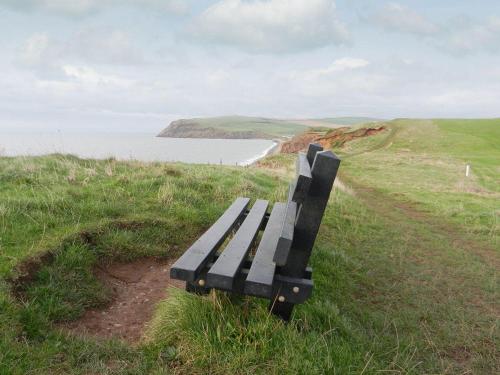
(275, 268)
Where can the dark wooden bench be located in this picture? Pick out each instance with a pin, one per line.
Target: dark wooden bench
(279, 269)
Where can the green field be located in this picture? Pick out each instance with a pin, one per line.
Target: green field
(255, 127)
(270, 127)
(423, 162)
(405, 265)
(349, 121)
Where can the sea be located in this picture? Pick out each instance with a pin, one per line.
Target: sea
(135, 146)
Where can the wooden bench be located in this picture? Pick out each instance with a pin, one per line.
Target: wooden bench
(279, 269)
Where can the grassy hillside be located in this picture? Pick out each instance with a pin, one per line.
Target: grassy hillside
(241, 123)
(349, 121)
(476, 142)
(253, 127)
(234, 126)
(84, 213)
(405, 266)
(423, 162)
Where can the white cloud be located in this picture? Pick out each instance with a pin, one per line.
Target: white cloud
(339, 65)
(97, 46)
(89, 76)
(396, 17)
(458, 36)
(41, 54)
(344, 75)
(36, 49)
(73, 7)
(169, 6)
(270, 26)
(462, 36)
(104, 69)
(101, 45)
(86, 7)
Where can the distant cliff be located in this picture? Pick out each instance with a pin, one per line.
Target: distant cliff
(233, 127)
(191, 129)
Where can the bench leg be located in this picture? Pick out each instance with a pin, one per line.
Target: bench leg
(281, 309)
(196, 289)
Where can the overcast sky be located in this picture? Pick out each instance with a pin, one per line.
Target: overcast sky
(137, 64)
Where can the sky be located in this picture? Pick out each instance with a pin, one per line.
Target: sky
(135, 65)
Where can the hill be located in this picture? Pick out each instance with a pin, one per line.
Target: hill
(336, 122)
(348, 121)
(405, 264)
(235, 127)
(242, 127)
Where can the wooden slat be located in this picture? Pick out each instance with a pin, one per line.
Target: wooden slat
(300, 186)
(260, 278)
(312, 150)
(291, 189)
(311, 212)
(264, 222)
(223, 272)
(302, 166)
(248, 263)
(286, 234)
(189, 265)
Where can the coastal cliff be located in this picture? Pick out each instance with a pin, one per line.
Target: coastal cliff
(191, 129)
(234, 127)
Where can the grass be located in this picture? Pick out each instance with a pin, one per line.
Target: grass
(475, 142)
(271, 127)
(349, 121)
(423, 162)
(401, 285)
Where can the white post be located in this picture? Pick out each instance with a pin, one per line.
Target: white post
(467, 170)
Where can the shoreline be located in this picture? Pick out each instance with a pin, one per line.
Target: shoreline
(138, 147)
(272, 150)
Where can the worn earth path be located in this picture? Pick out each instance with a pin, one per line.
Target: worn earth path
(439, 261)
(394, 209)
(136, 287)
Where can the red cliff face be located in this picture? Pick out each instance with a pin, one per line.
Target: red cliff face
(334, 138)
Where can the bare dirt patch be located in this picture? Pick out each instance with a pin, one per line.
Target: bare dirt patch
(137, 287)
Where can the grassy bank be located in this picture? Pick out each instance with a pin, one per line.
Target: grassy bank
(401, 285)
(423, 162)
(234, 127)
(254, 127)
(81, 213)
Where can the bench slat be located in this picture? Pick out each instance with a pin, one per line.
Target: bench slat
(189, 265)
(300, 186)
(311, 212)
(224, 270)
(286, 236)
(312, 150)
(260, 278)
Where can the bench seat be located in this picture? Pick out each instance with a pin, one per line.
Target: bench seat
(234, 269)
(232, 255)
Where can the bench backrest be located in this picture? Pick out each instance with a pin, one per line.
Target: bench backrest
(307, 200)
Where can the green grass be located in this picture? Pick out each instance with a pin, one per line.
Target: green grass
(423, 162)
(405, 282)
(475, 142)
(275, 128)
(349, 121)
(271, 127)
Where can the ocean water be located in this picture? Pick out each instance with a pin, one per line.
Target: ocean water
(135, 146)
